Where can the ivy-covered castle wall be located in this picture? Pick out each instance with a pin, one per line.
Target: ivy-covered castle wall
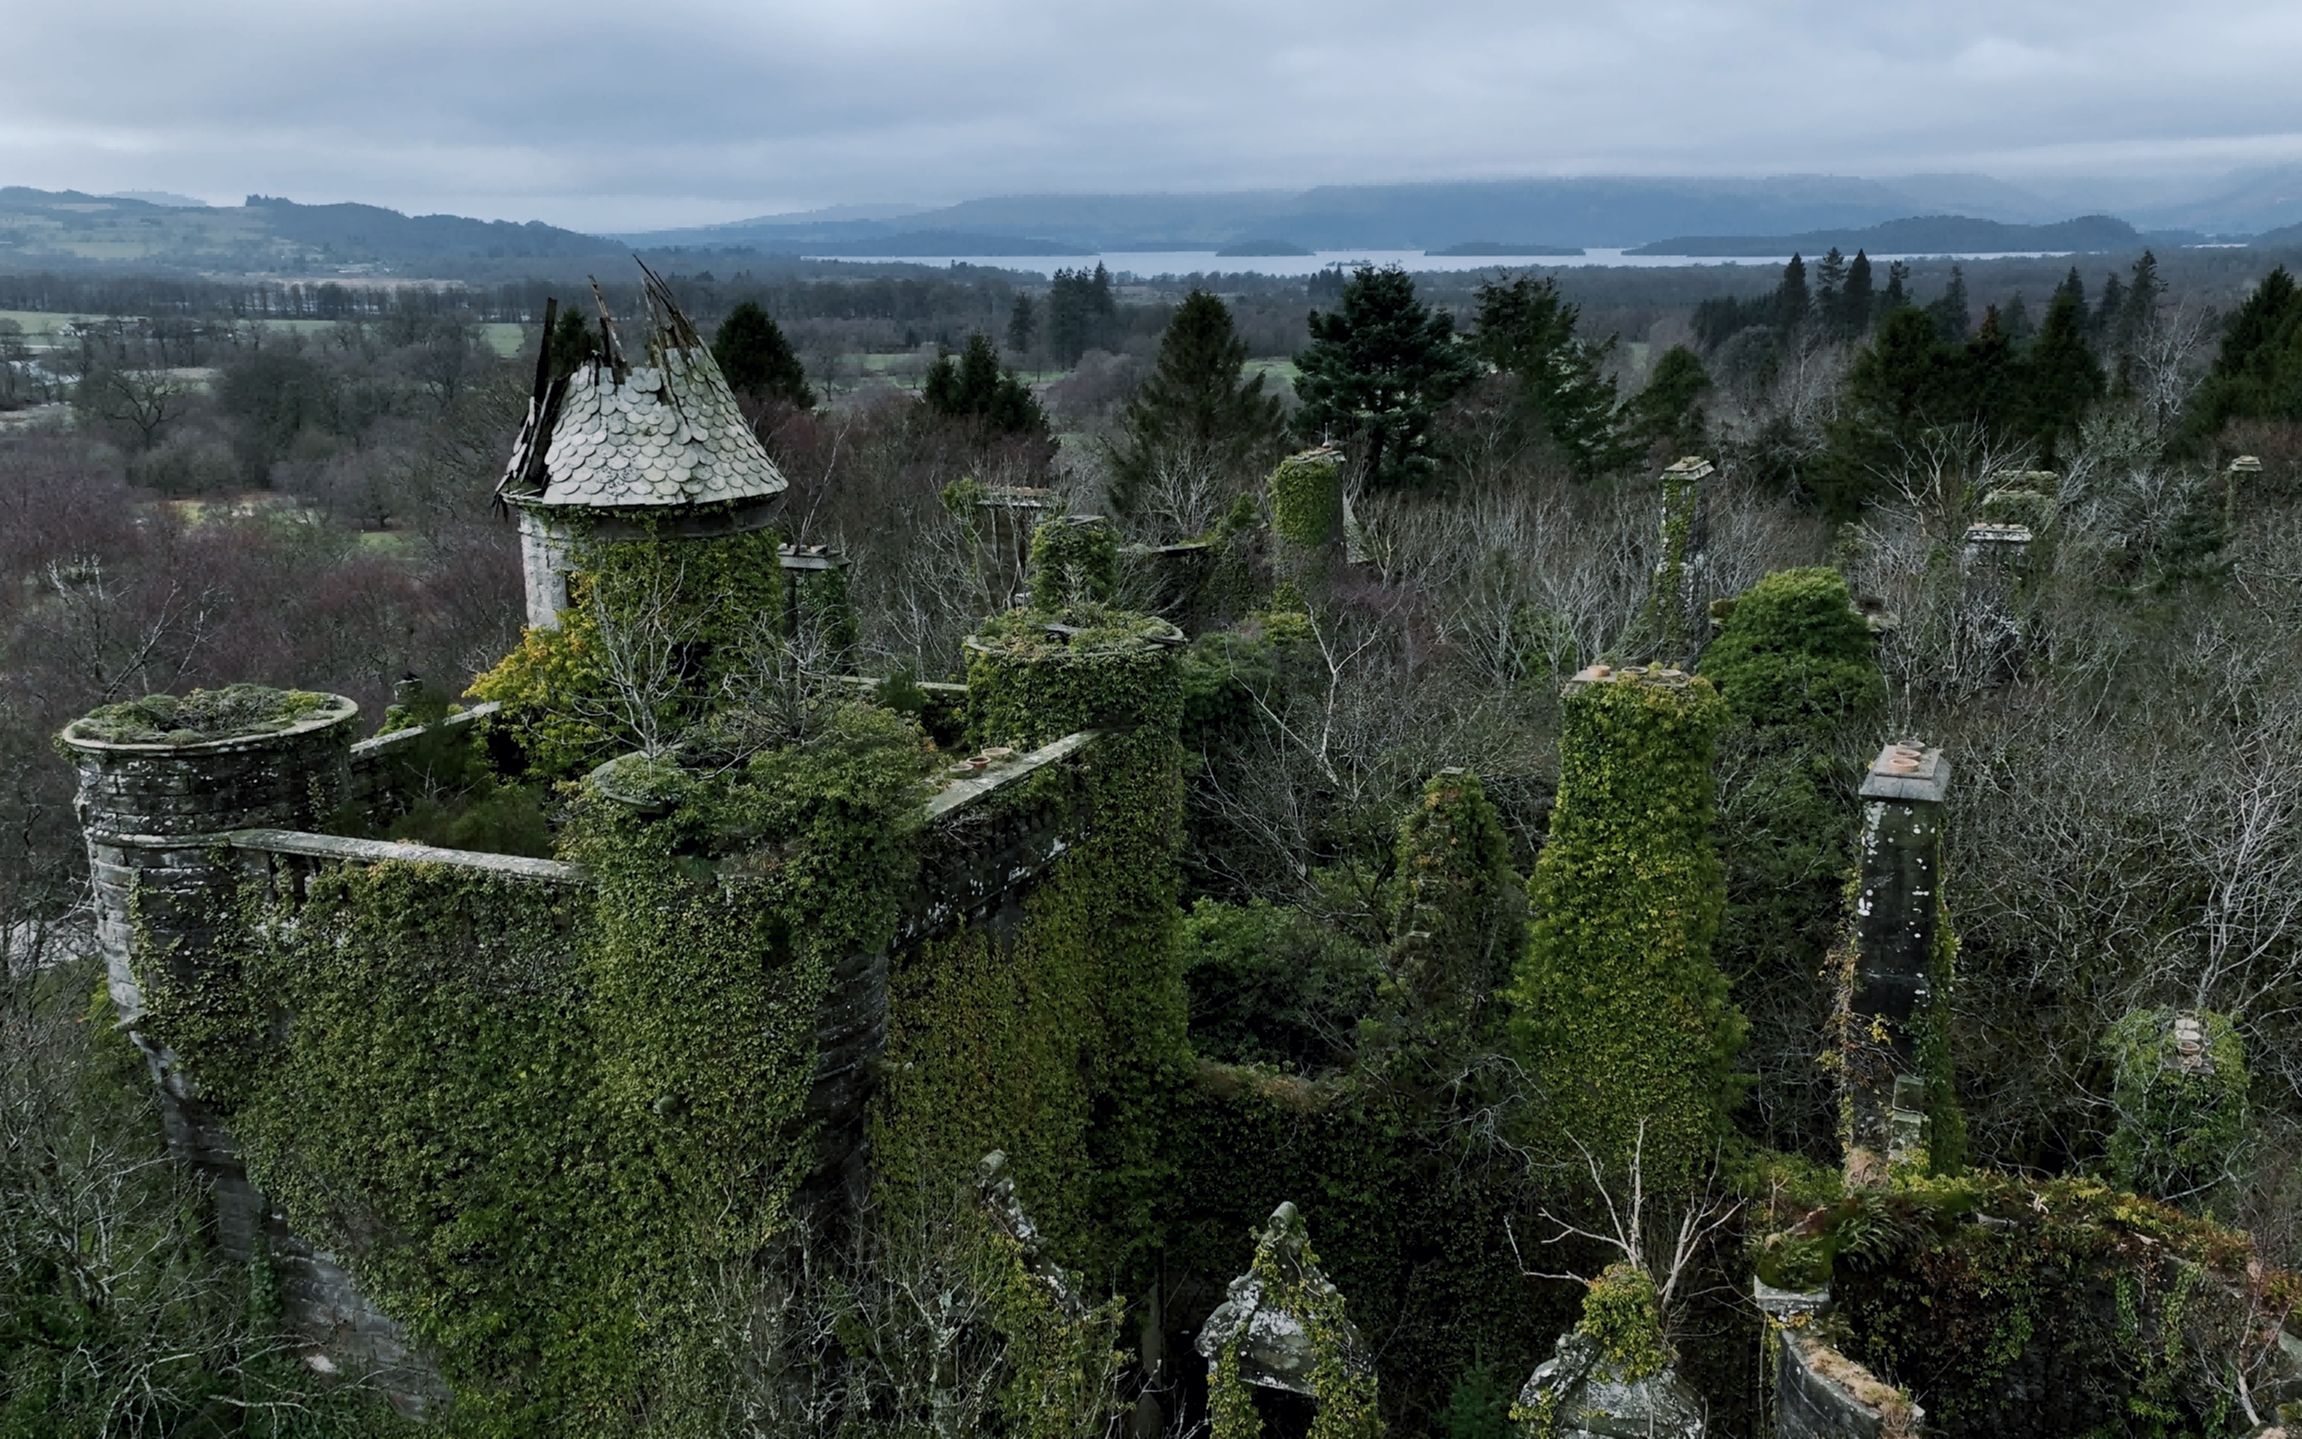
(541, 1108)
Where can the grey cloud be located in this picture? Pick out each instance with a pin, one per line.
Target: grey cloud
(621, 115)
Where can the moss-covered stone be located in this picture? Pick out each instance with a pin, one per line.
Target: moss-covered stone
(1617, 1006)
(2180, 1095)
(237, 711)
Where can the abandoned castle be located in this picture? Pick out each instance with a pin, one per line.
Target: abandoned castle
(830, 973)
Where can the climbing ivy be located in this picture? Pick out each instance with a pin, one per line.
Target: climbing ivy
(1623, 1315)
(542, 1121)
(2049, 1306)
(1794, 662)
(1053, 1033)
(1458, 917)
(1341, 1382)
(2181, 1117)
(1307, 498)
(1074, 559)
(1617, 1007)
(685, 605)
(1793, 652)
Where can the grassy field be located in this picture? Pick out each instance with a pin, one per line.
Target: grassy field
(1281, 370)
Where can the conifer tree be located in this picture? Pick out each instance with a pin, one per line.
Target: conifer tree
(1375, 373)
(1022, 325)
(1668, 412)
(572, 342)
(2106, 325)
(2074, 288)
(1897, 287)
(1856, 302)
(2143, 291)
(1527, 330)
(1082, 313)
(1791, 304)
(1952, 319)
(2060, 375)
(2257, 372)
(1830, 289)
(757, 360)
(2014, 321)
(976, 388)
(1199, 408)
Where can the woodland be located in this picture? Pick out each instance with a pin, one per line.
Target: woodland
(1382, 899)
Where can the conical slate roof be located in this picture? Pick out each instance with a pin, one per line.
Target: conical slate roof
(611, 435)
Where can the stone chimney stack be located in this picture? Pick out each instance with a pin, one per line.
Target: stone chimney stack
(1898, 972)
(2242, 470)
(1677, 612)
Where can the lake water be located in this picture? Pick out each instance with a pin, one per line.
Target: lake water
(1151, 263)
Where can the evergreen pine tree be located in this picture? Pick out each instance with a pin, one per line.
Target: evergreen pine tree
(572, 342)
(1900, 383)
(2257, 372)
(2074, 288)
(1953, 321)
(2107, 328)
(1199, 408)
(1075, 313)
(2143, 291)
(1791, 305)
(1988, 379)
(1668, 412)
(2014, 321)
(2060, 377)
(1526, 329)
(1376, 372)
(1856, 303)
(1022, 325)
(1830, 289)
(1897, 287)
(976, 388)
(757, 360)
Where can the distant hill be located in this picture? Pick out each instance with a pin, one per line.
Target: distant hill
(372, 233)
(1555, 214)
(1496, 247)
(2243, 202)
(267, 234)
(1244, 248)
(851, 243)
(159, 197)
(1917, 235)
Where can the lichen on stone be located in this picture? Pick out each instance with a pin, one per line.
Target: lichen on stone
(236, 711)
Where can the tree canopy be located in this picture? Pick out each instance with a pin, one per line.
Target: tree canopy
(757, 360)
(1199, 408)
(1376, 372)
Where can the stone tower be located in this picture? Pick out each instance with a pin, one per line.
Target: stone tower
(618, 450)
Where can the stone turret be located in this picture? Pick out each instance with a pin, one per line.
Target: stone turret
(1896, 971)
(160, 781)
(616, 450)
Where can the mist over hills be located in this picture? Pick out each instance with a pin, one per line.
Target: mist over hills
(1715, 216)
(1919, 235)
(1559, 212)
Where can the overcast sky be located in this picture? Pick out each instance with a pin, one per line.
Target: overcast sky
(608, 114)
